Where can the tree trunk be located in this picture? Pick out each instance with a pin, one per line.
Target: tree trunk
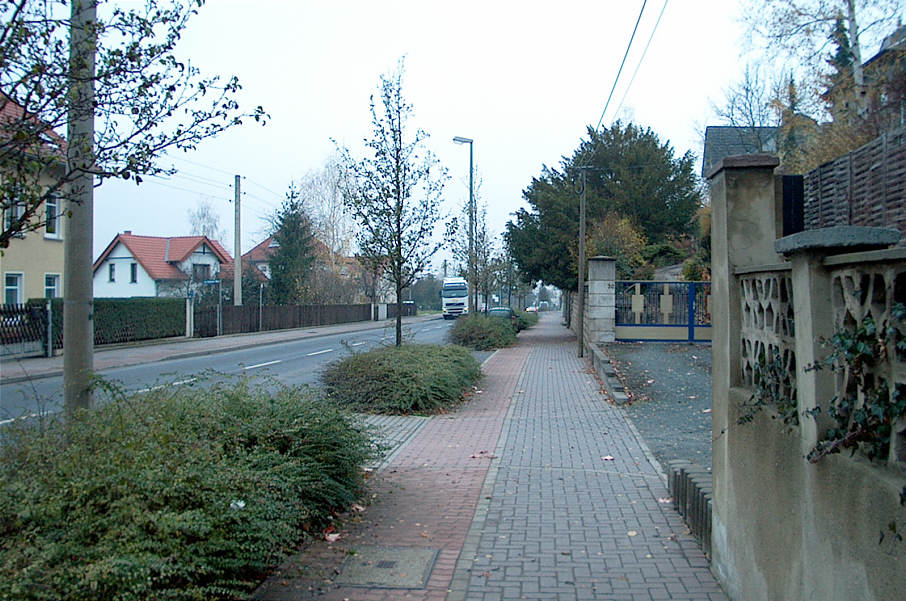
(856, 47)
(399, 314)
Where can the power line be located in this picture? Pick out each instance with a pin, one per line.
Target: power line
(623, 62)
(644, 52)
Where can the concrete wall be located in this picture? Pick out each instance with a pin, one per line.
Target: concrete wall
(784, 528)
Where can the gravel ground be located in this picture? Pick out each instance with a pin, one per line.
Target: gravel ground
(670, 387)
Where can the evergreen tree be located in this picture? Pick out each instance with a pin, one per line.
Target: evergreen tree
(292, 259)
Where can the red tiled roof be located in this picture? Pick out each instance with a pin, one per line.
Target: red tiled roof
(11, 111)
(261, 253)
(160, 256)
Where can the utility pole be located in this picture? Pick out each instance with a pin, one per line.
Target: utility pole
(581, 333)
(472, 279)
(237, 250)
(78, 301)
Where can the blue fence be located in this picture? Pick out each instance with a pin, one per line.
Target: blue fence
(650, 310)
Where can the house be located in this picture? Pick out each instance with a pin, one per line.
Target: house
(157, 266)
(32, 264)
(728, 140)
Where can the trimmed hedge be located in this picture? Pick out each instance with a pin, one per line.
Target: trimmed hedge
(482, 332)
(413, 378)
(177, 494)
(126, 319)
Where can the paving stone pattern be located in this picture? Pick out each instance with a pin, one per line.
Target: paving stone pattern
(563, 522)
(536, 489)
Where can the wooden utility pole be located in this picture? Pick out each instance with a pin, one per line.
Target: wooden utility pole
(78, 297)
(237, 250)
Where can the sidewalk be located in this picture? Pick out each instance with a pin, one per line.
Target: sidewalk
(122, 355)
(536, 489)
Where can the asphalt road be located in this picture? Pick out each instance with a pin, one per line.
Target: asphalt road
(292, 363)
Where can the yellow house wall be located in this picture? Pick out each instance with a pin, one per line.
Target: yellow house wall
(35, 256)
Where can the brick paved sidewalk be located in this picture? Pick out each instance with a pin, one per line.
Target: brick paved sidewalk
(537, 489)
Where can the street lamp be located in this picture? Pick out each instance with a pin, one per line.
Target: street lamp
(472, 304)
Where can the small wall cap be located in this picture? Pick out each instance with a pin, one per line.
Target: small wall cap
(601, 258)
(743, 161)
(838, 239)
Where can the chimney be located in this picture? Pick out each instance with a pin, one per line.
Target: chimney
(128, 232)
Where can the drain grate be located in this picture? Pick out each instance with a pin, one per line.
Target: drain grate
(388, 567)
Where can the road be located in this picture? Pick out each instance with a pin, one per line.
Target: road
(292, 363)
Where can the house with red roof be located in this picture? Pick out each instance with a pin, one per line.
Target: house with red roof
(134, 265)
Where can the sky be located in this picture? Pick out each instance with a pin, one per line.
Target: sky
(523, 79)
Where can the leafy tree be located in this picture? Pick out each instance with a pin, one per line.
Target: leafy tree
(147, 100)
(292, 259)
(616, 236)
(426, 292)
(629, 173)
(394, 193)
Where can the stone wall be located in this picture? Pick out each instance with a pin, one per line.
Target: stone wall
(785, 528)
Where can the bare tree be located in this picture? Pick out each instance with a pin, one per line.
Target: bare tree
(322, 192)
(204, 220)
(394, 193)
(748, 105)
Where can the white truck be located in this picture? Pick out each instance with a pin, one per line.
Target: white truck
(454, 296)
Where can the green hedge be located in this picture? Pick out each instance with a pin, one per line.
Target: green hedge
(183, 493)
(482, 332)
(127, 319)
(413, 378)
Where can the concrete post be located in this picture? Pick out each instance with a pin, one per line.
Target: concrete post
(600, 308)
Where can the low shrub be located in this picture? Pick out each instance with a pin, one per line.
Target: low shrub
(178, 494)
(413, 378)
(525, 320)
(482, 333)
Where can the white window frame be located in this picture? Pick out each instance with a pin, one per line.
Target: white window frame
(56, 285)
(20, 286)
(13, 212)
(52, 201)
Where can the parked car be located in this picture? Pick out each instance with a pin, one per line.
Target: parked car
(532, 309)
(504, 313)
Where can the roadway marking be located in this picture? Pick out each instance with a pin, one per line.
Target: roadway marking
(26, 416)
(264, 364)
(327, 350)
(159, 386)
(356, 343)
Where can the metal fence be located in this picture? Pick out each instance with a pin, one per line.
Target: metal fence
(648, 310)
(24, 329)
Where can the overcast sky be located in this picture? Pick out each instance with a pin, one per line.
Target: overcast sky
(523, 79)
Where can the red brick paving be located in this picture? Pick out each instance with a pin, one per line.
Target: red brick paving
(425, 498)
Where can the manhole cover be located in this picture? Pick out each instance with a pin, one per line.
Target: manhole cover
(387, 567)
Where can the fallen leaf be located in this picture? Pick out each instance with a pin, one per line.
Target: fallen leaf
(665, 500)
(357, 507)
(607, 458)
(424, 534)
(692, 396)
(651, 381)
(632, 533)
(706, 411)
(332, 538)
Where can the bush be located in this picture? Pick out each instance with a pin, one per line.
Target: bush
(413, 378)
(126, 319)
(482, 333)
(179, 494)
(525, 320)
(662, 254)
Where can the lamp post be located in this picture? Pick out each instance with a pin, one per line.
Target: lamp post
(472, 283)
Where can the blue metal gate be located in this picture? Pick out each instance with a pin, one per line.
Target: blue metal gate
(663, 311)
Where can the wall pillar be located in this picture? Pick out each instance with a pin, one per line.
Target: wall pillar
(600, 304)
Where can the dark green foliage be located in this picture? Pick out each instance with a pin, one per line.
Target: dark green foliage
(774, 387)
(525, 320)
(412, 378)
(482, 333)
(426, 292)
(865, 423)
(126, 319)
(178, 494)
(292, 257)
(631, 173)
(662, 254)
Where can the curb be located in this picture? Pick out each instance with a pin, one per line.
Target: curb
(608, 375)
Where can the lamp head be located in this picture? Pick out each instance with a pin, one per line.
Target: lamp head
(461, 140)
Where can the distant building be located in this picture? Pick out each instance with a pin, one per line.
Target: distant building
(157, 266)
(727, 140)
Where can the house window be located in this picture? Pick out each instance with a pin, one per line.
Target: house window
(13, 213)
(201, 271)
(13, 288)
(133, 273)
(51, 285)
(111, 273)
(52, 213)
